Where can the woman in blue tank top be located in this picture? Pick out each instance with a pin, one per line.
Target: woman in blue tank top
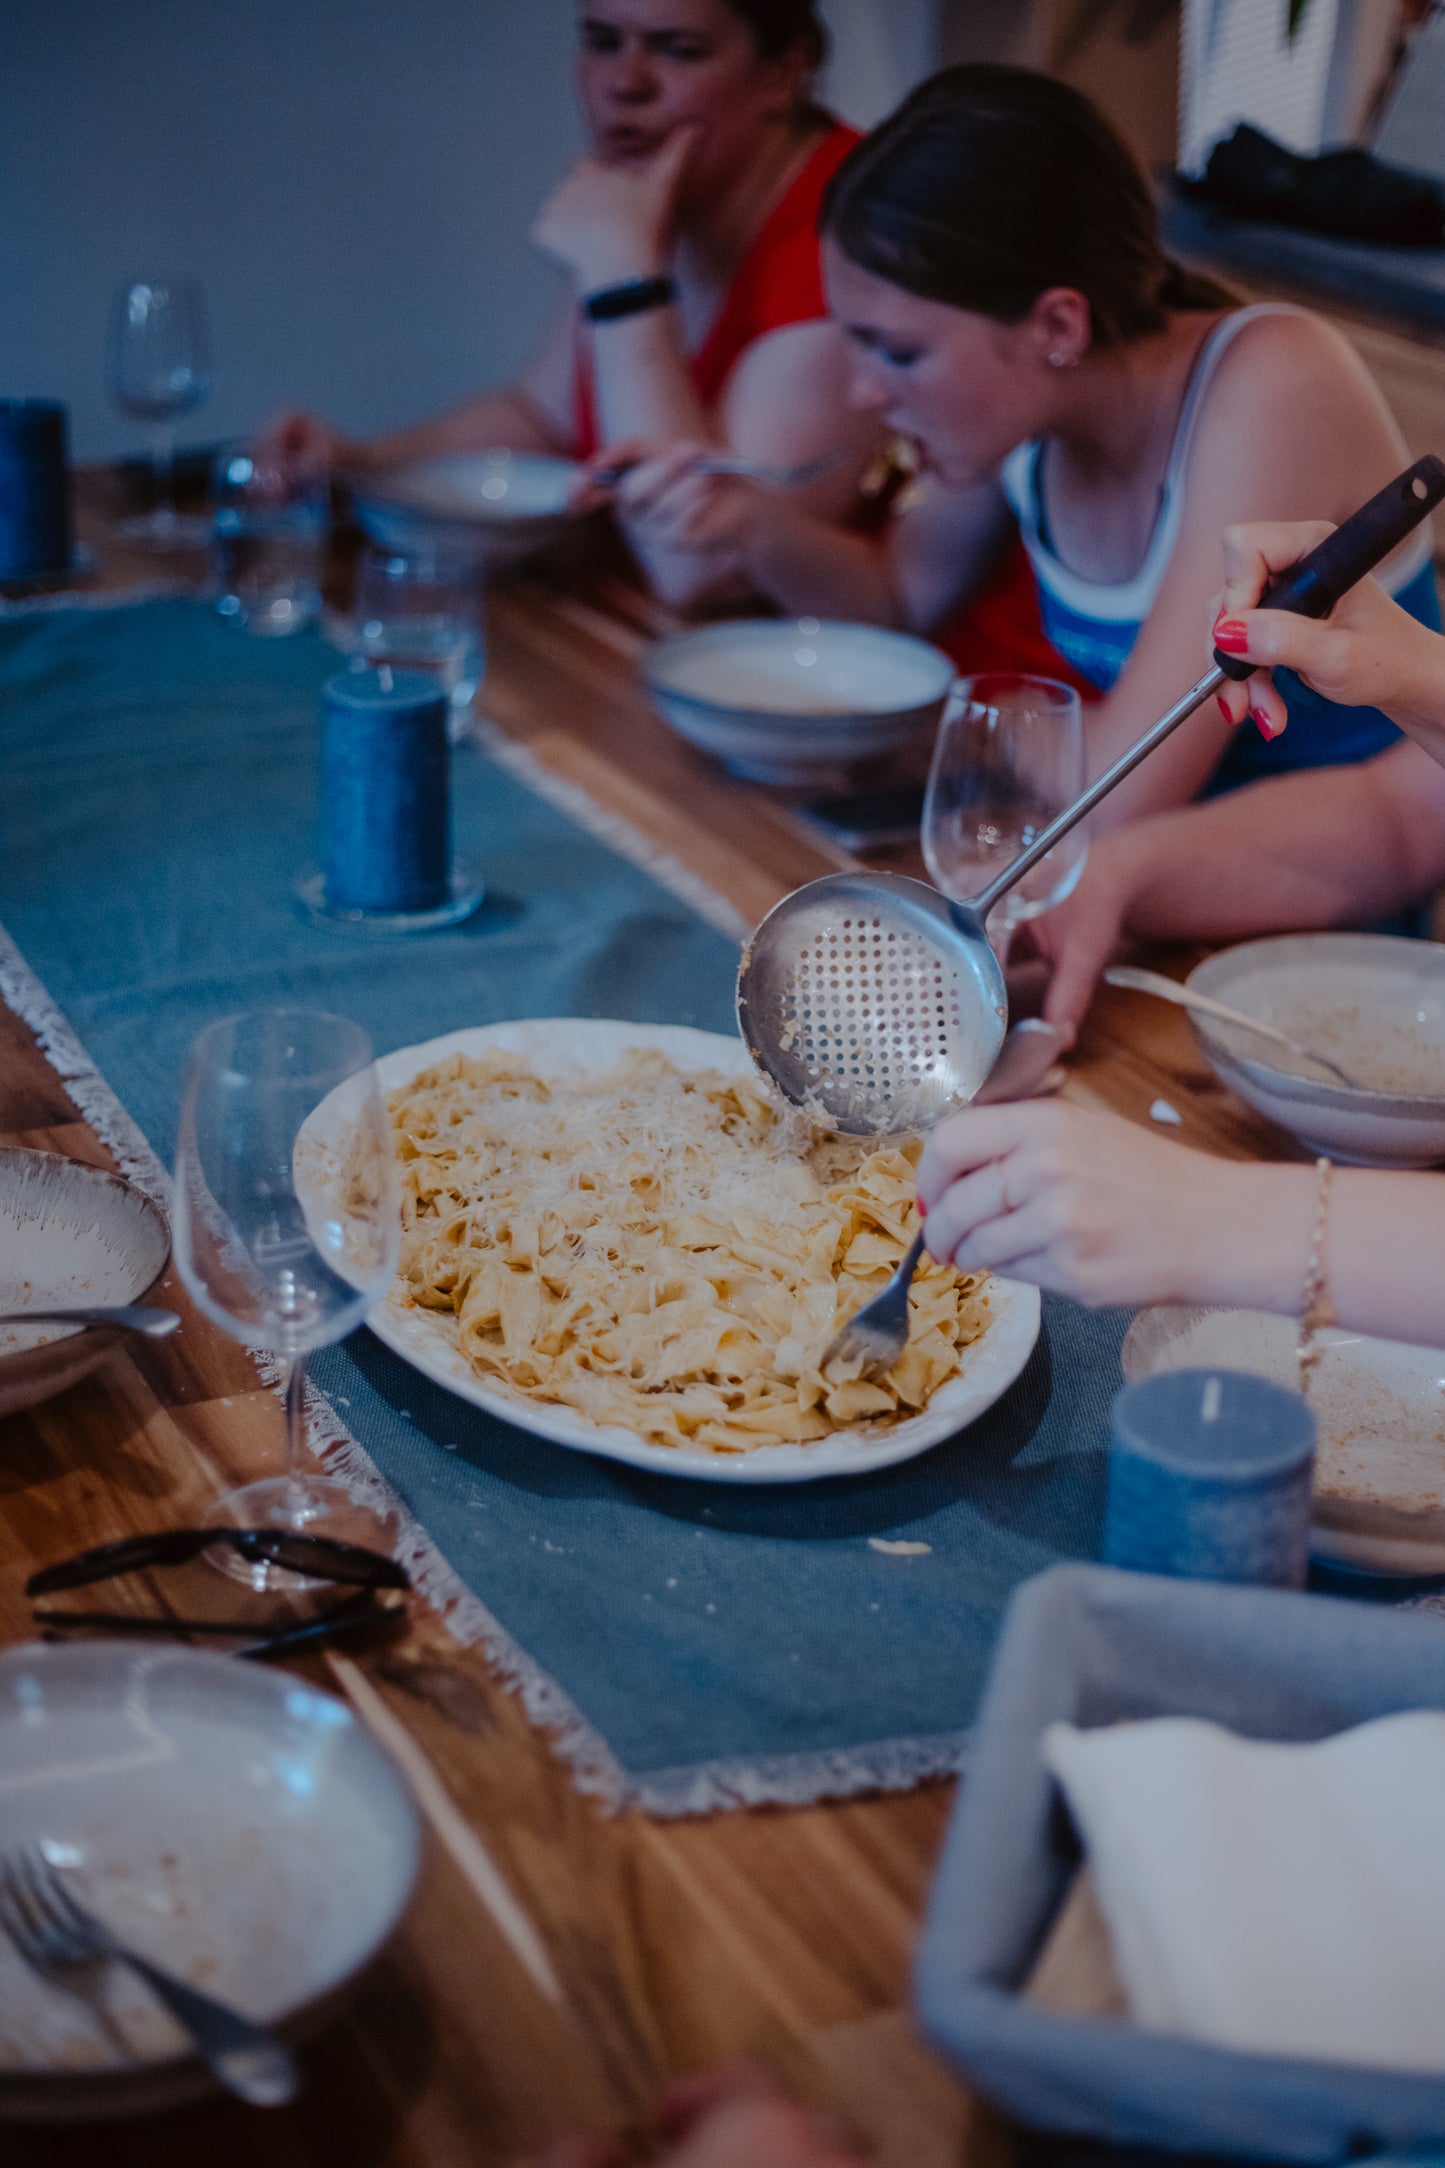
(993, 252)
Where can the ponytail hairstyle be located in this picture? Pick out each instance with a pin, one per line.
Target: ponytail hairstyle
(781, 26)
(991, 184)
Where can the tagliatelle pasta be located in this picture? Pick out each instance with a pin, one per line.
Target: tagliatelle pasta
(664, 1249)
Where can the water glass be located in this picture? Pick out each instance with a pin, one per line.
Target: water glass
(268, 544)
(287, 1225)
(1009, 758)
(421, 609)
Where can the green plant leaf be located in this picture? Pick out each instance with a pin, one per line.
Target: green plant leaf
(1298, 9)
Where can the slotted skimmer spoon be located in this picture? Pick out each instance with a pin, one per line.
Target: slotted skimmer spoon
(876, 1003)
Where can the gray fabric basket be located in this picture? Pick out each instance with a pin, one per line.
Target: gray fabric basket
(1093, 1645)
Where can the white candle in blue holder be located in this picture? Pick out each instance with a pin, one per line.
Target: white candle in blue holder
(386, 820)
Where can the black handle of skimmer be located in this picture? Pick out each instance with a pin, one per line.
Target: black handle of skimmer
(1313, 586)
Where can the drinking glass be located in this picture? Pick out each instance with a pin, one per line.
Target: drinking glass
(159, 369)
(287, 1229)
(268, 543)
(421, 609)
(1009, 758)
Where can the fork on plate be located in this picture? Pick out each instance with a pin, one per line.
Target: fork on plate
(55, 1934)
(876, 1335)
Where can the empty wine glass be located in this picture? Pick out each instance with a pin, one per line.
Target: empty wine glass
(287, 1227)
(421, 609)
(158, 369)
(1009, 758)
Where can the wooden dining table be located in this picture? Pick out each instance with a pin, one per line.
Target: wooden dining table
(559, 1964)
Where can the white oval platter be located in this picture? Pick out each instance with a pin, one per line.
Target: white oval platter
(557, 1046)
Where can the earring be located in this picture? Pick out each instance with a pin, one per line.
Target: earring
(1064, 361)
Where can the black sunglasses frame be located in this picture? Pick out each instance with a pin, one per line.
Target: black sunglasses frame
(348, 1563)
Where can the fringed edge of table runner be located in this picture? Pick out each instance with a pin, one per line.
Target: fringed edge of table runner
(612, 829)
(700, 1788)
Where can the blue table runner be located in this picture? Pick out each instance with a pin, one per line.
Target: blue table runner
(691, 1645)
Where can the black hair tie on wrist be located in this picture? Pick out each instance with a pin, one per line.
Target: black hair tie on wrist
(629, 299)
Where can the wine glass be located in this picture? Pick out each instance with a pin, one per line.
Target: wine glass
(1008, 759)
(287, 1226)
(159, 369)
(421, 609)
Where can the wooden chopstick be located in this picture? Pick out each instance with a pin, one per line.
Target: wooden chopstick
(451, 1826)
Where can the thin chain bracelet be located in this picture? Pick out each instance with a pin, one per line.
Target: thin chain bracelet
(1316, 1308)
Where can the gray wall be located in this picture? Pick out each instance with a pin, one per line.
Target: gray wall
(351, 180)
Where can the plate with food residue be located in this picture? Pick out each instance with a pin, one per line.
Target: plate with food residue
(615, 1237)
(238, 1828)
(1380, 1408)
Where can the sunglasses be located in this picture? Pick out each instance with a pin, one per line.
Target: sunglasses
(320, 1558)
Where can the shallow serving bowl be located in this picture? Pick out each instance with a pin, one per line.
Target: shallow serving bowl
(794, 700)
(229, 1822)
(504, 504)
(1379, 1502)
(1374, 1004)
(68, 1234)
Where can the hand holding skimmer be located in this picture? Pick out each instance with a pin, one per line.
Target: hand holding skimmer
(876, 1003)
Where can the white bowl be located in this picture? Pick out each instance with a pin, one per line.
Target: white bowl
(68, 1234)
(1379, 1501)
(504, 504)
(1374, 1004)
(793, 700)
(233, 1824)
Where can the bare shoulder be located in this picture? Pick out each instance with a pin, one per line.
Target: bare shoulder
(1292, 399)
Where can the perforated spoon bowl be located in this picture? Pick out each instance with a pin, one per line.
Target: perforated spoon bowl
(876, 1003)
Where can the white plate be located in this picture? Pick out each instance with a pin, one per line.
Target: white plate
(589, 1045)
(1379, 1497)
(524, 497)
(68, 1234)
(236, 1826)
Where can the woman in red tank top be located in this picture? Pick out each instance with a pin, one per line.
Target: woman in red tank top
(690, 236)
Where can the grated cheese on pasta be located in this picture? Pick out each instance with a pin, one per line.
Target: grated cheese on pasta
(664, 1249)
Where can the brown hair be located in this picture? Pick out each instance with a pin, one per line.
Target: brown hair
(991, 184)
(780, 25)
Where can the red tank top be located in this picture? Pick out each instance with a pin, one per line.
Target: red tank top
(778, 282)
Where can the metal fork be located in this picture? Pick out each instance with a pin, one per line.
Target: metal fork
(878, 1333)
(751, 470)
(55, 1934)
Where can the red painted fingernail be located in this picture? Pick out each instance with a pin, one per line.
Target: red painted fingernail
(1231, 635)
(1267, 727)
(1223, 706)
(922, 1208)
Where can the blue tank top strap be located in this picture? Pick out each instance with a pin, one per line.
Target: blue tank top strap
(1094, 623)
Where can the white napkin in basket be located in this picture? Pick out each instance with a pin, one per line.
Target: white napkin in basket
(1281, 1899)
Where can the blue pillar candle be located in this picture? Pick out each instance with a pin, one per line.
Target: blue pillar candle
(1210, 1477)
(386, 829)
(35, 536)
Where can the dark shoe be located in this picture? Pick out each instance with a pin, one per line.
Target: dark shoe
(1348, 193)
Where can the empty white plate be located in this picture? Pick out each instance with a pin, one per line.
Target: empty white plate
(239, 1828)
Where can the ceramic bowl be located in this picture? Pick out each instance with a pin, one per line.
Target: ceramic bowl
(230, 1822)
(795, 700)
(1374, 1004)
(1379, 1493)
(68, 1234)
(505, 504)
